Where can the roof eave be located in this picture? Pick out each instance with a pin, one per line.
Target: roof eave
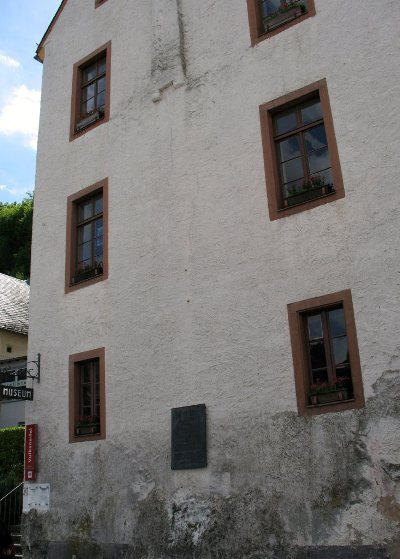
(40, 52)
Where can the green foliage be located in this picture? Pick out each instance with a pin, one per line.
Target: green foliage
(16, 237)
(11, 458)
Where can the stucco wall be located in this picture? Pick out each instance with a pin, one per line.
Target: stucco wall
(195, 306)
(17, 342)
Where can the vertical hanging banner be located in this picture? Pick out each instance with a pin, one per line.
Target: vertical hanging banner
(30, 452)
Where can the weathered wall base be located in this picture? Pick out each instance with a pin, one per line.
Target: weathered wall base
(57, 550)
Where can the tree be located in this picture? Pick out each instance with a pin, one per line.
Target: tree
(16, 237)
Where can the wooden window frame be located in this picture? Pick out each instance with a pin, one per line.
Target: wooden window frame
(98, 3)
(78, 68)
(74, 361)
(257, 33)
(299, 342)
(71, 239)
(272, 178)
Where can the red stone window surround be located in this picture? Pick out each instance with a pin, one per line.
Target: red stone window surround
(301, 159)
(90, 100)
(269, 17)
(325, 354)
(87, 409)
(86, 256)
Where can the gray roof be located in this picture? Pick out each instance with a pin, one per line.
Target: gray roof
(14, 304)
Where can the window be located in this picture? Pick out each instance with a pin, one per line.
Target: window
(91, 91)
(325, 354)
(268, 17)
(87, 396)
(9, 349)
(87, 246)
(98, 3)
(302, 168)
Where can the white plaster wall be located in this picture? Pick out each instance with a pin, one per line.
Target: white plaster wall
(194, 310)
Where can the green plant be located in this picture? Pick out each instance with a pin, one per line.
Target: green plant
(11, 458)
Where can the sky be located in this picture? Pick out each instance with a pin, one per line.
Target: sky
(22, 25)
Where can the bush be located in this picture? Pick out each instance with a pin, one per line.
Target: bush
(11, 458)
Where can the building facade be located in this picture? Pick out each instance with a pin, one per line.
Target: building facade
(215, 272)
(14, 323)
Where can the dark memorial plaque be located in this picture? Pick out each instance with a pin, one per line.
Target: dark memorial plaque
(16, 393)
(188, 437)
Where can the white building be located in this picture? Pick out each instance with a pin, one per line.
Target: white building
(182, 257)
(14, 323)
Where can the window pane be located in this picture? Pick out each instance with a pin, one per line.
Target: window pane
(315, 138)
(284, 122)
(319, 160)
(344, 372)
(269, 7)
(85, 252)
(101, 100)
(292, 170)
(88, 92)
(85, 210)
(99, 251)
(90, 73)
(337, 325)
(90, 105)
(102, 66)
(85, 372)
(287, 149)
(85, 233)
(86, 395)
(98, 227)
(317, 354)
(311, 111)
(340, 350)
(101, 85)
(327, 176)
(98, 205)
(314, 327)
(292, 187)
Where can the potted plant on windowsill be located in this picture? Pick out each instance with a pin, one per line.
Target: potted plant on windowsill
(87, 425)
(88, 273)
(90, 118)
(288, 11)
(339, 390)
(314, 187)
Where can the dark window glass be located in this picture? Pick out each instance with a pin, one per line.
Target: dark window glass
(87, 421)
(89, 253)
(303, 154)
(328, 355)
(93, 87)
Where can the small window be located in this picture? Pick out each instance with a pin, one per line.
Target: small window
(9, 349)
(301, 160)
(86, 253)
(91, 91)
(87, 405)
(325, 354)
(98, 3)
(268, 17)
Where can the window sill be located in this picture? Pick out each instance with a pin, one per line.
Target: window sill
(85, 438)
(86, 276)
(85, 282)
(313, 406)
(308, 201)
